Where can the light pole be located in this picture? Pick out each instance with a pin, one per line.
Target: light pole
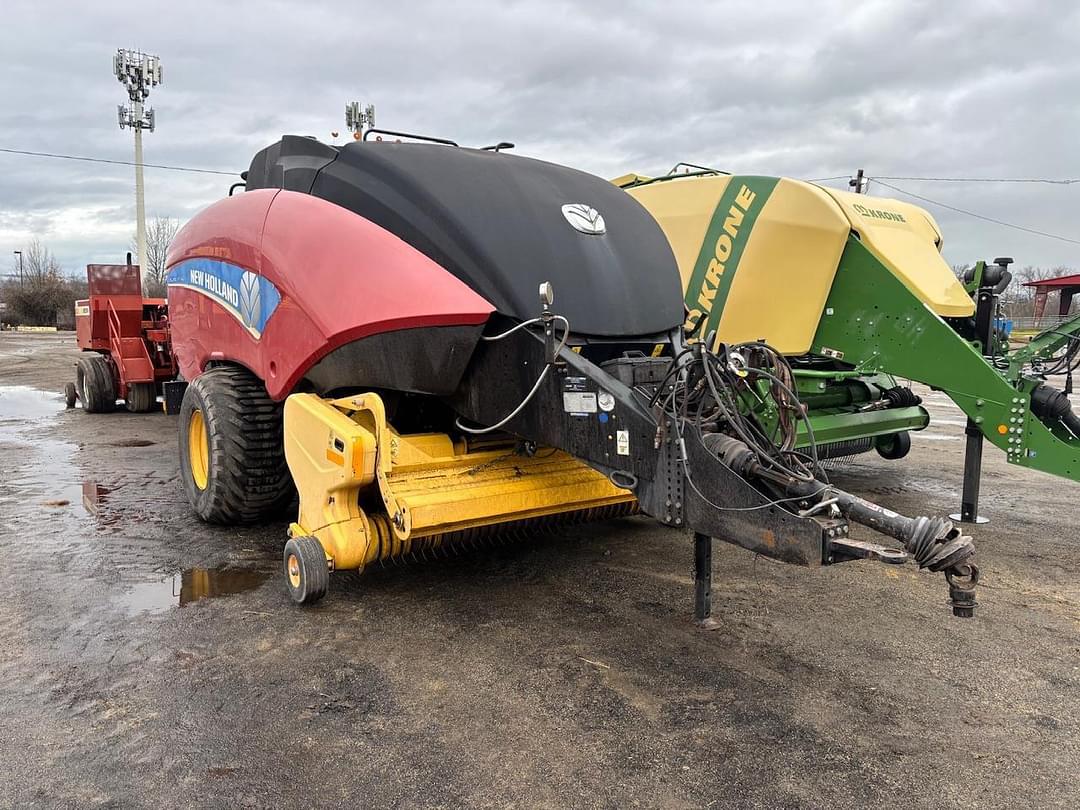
(138, 72)
(19, 254)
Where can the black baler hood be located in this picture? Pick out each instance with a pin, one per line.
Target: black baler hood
(495, 221)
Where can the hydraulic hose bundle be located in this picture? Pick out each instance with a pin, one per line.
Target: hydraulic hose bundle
(705, 389)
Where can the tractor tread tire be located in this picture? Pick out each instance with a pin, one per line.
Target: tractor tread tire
(248, 480)
(97, 389)
(141, 397)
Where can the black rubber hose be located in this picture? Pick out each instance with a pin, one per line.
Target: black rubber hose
(1050, 403)
(934, 543)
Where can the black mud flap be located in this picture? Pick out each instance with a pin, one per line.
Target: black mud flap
(173, 394)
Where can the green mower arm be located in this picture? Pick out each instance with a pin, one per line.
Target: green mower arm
(874, 322)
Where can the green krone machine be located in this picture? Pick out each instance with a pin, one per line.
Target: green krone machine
(853, 290)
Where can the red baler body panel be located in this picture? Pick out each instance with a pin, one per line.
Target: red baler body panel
(274, 280)
(116, 320)
(111, 286)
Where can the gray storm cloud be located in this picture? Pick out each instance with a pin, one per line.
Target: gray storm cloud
(809, 90)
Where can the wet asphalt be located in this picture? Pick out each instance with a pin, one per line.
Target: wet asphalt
(147, 660)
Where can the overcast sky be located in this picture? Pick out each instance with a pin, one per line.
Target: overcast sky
(808, 89)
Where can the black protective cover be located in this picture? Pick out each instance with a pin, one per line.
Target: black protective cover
(495, 221)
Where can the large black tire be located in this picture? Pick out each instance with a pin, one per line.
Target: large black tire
(237, 472)
(141, 397)
(94, 379)
(307, 574)
(70, 395)
(894, 446)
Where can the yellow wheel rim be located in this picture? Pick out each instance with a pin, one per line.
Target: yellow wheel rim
(198, 449)
(294, 571)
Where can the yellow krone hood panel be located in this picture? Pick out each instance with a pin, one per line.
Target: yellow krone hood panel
(907, 239)
(758, 255)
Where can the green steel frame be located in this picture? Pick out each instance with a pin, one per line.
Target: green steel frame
(875, 323)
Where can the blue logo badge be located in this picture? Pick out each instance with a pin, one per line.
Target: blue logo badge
(247, 296)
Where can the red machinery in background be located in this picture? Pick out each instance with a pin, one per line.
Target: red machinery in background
(127, 350)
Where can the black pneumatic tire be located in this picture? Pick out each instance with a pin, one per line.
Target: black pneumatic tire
(246, 478)
(894, 447)
(141, 397)
(70, 395)
(307, 574)
(94, 380)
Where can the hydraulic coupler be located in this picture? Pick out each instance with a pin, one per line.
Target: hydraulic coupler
(934, 543)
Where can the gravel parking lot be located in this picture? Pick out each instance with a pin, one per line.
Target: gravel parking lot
(563, 672)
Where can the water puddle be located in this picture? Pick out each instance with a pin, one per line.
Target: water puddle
(185, 587)
(40, 487)
(39, 473)
(21, 404)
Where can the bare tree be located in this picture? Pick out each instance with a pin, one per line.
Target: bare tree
(38, 265)
(1019, 299)
(159, 235)
(41, 293)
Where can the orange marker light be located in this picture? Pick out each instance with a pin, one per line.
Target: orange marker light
(1003, 429)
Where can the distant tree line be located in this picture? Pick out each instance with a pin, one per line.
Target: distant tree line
(1019, 301)
(38, 293)
(41, 293)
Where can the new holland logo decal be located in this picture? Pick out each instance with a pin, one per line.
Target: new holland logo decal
(250, 299)
(247, 296)
(584, 218)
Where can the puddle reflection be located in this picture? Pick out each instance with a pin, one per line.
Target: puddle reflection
(93, 496)
(185, 587)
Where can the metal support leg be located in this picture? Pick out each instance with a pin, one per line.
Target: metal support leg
(985, 307)
(969, 500)
(703, 582)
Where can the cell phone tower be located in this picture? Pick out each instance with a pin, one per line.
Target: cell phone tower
(138, 72)
(358, 119)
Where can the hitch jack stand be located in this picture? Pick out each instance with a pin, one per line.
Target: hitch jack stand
(985, 307)
(969, 499)
(703, 582)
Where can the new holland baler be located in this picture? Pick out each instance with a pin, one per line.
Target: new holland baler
(434, 344)
(853, 289)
